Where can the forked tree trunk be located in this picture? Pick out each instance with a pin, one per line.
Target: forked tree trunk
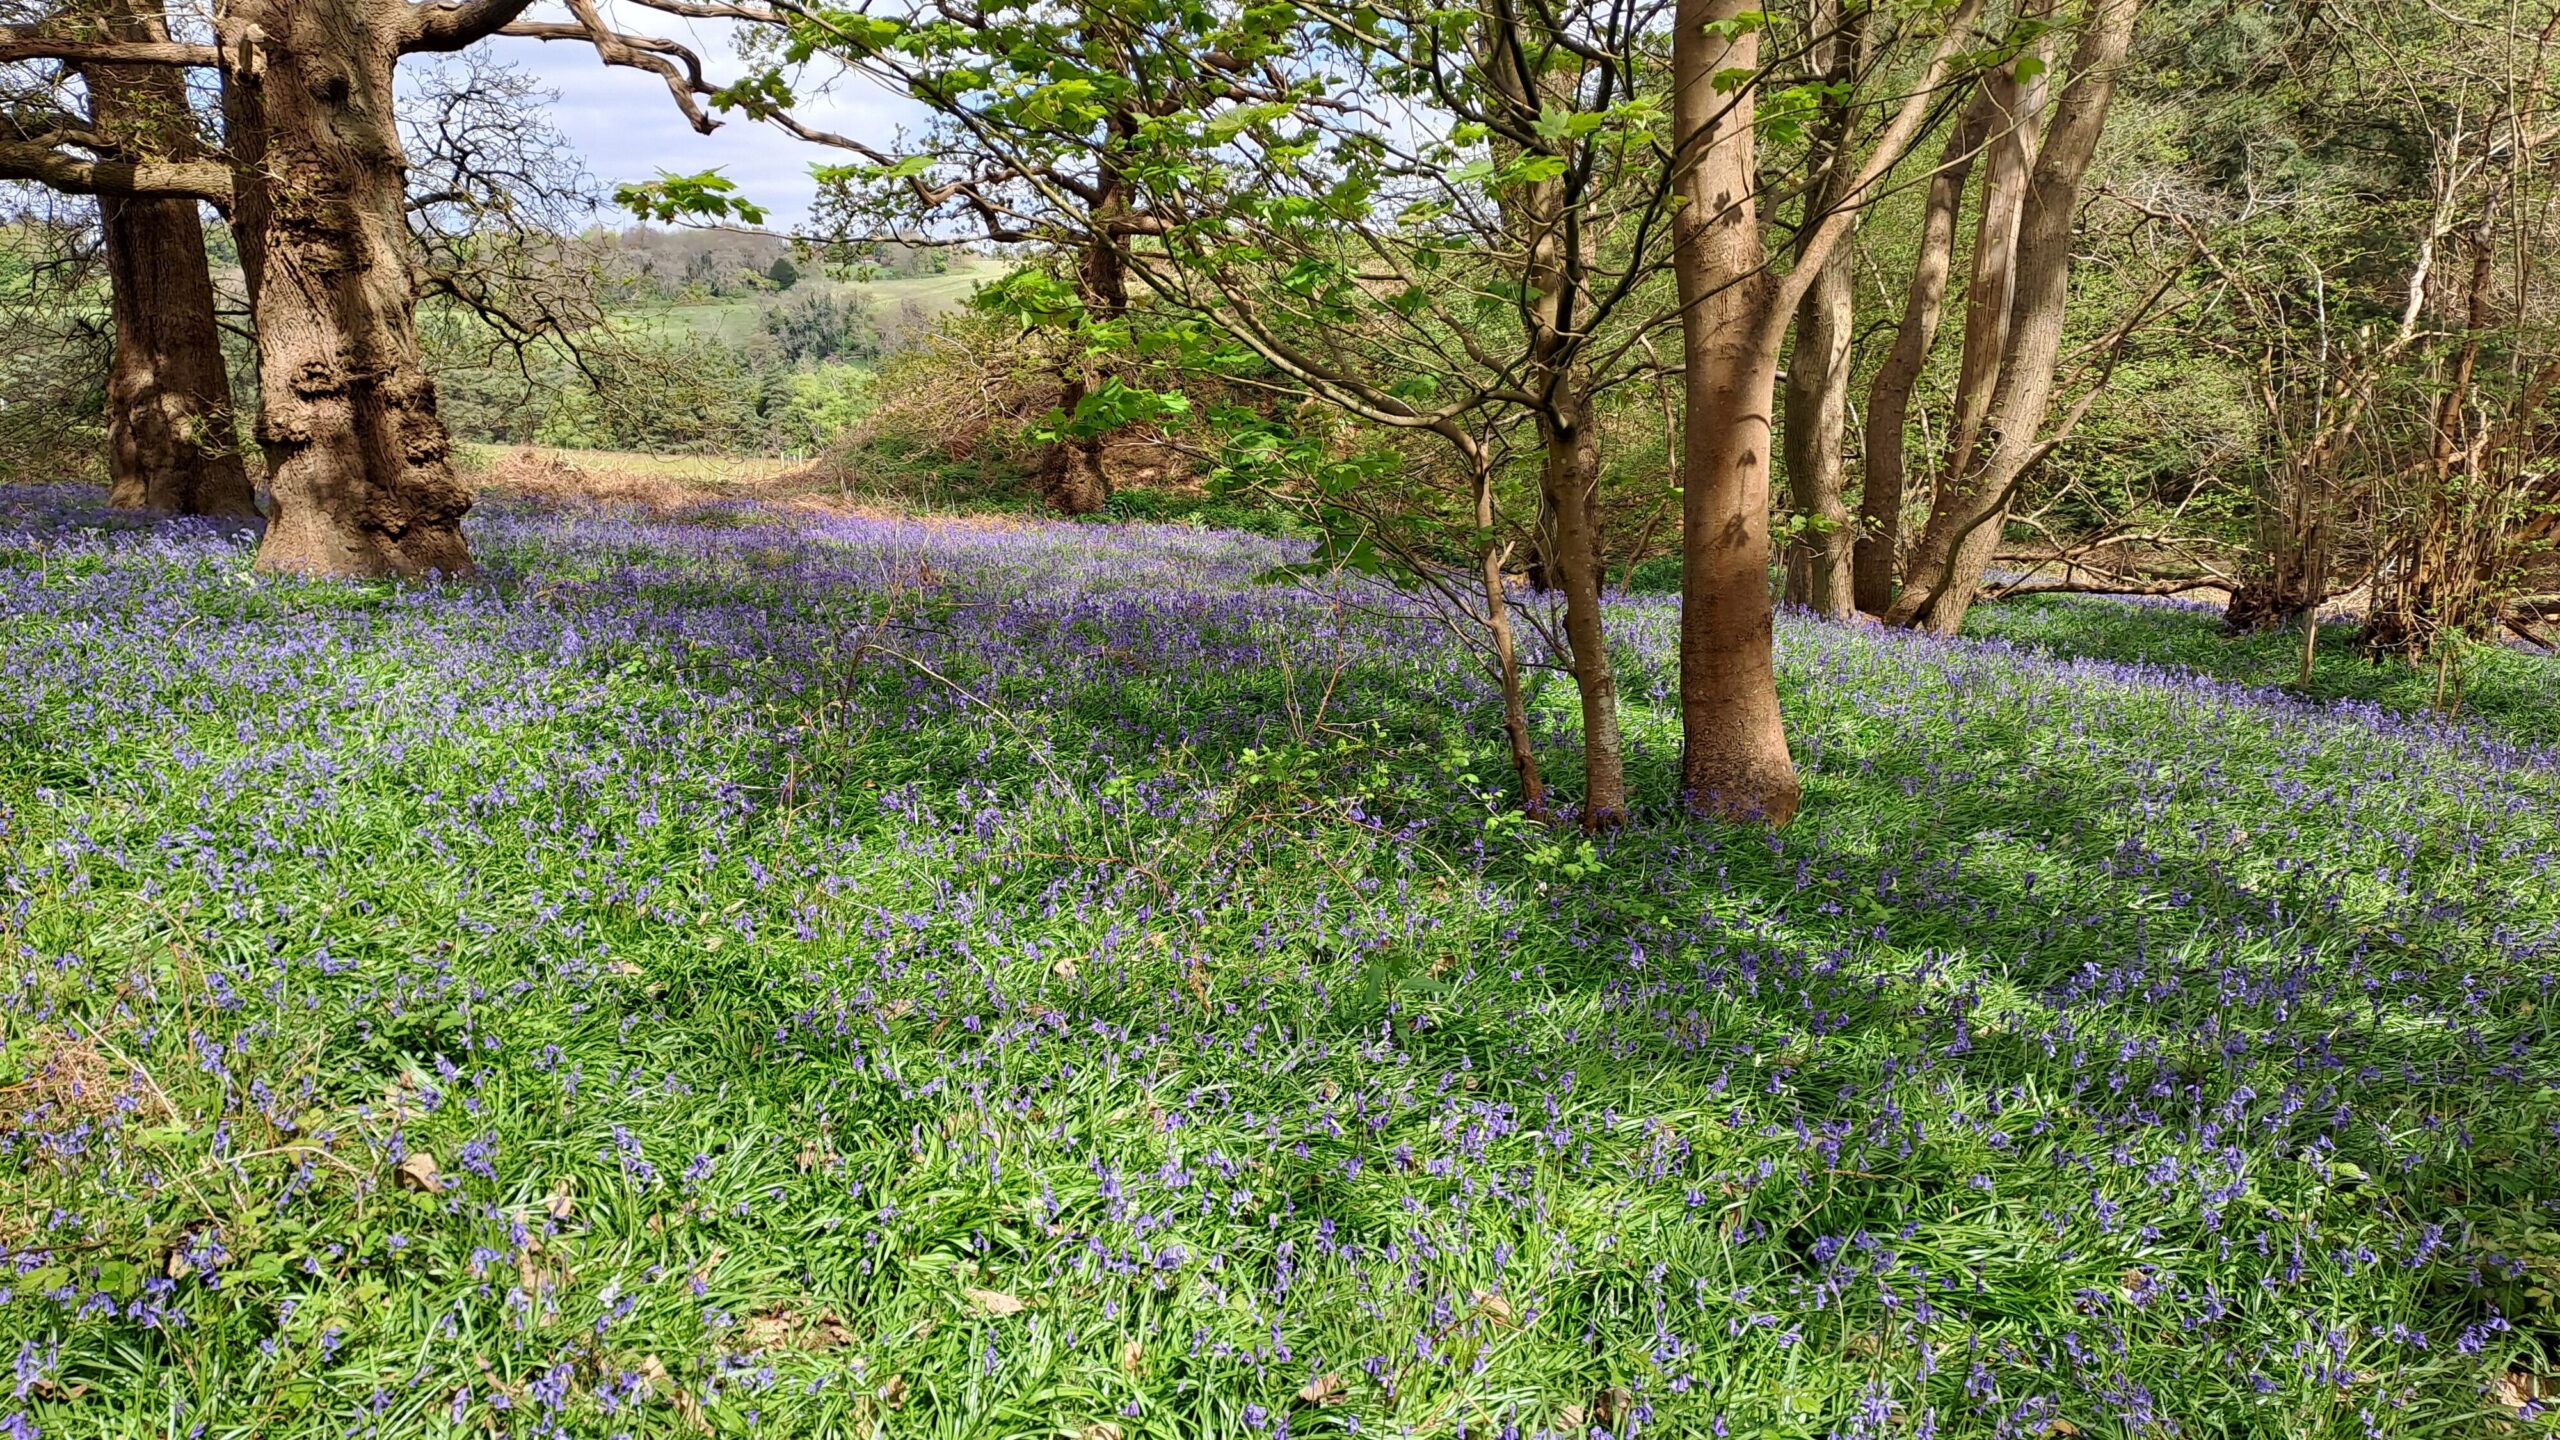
(1821, 561)
(358, 461)
(1886, 459)
(1964, 525)
(1733, 755)
(172, 444)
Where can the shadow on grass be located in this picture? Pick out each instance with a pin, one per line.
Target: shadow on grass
(2518, 691)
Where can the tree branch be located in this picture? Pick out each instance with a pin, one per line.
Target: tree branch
(458, 24)
(18, 44)
(208, 180)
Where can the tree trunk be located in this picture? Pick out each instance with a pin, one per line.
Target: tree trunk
(1733, 760)
(1072, 477)
(2009, 148)
(1889, 396)
(172, 445)
(358, 461)
(1545, 220)
(1820, 573)
(1964, 525)
(1571, 484)
(1506, 652)
(1821, 570)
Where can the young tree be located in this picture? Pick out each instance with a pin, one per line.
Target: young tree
(1452, 284)
(1820, 573)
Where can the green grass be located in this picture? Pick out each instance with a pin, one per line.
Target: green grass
(2514, 689)
(869, 977)
(738, 321)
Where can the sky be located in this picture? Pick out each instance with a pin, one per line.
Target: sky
(629, 128)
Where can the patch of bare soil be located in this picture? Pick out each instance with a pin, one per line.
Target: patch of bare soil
(551, 477)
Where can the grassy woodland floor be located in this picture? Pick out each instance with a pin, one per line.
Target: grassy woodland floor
(850, 977)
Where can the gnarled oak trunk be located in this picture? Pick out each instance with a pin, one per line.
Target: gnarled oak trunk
(357, 459)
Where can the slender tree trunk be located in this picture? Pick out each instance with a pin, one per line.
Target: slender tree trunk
(1820, 563)
(172, 445)
(1991, 289)
(1571, 482)
(1889, 396)
(1506, 652)
(1545, 219)
(357, 459)
(1733, 761)
(1964, 526)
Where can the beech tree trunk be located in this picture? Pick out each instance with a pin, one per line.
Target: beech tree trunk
(2009, 147)
(357, 459)
(1821, 561)
(172, 445)
(1733, 755)
(1888, 419)
(1965, 523)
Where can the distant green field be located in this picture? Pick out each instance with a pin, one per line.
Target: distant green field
(736, 321)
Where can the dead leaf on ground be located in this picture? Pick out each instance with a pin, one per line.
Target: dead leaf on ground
(1065, 969)
(1325, 1389)
(1494, 1308)
(1608, 1406)
(996, 1302)
(893, 1391)
(663, 1386)
(2062, 1428)
(562, 1202)
(1133, 1357)
(1100, 1430)
(418, 1172)
(2519, 1388)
